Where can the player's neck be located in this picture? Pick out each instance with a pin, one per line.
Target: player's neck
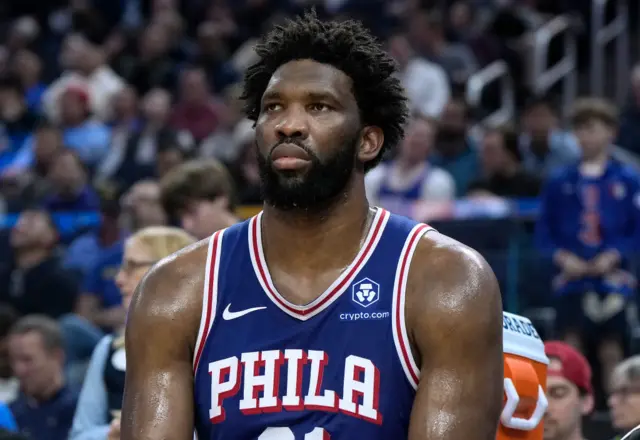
(297, 234)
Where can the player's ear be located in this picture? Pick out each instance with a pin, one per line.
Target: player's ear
(371, 141)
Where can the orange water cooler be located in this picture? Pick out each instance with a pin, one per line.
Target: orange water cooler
(525, 380)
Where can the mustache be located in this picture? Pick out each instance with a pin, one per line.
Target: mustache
(293, 141)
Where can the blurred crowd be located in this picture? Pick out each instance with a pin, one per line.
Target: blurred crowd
(121, 122)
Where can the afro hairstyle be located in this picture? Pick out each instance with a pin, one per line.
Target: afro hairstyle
(346, 45)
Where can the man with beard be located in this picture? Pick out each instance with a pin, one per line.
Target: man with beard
(322, 317)
(569, 392)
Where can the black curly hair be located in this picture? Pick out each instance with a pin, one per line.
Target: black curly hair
(346, 45)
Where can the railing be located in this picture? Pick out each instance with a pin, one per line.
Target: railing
(544, 76)
(478, 82)
(617, 32)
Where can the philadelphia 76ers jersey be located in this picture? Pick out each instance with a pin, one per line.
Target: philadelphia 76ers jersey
(338, 368)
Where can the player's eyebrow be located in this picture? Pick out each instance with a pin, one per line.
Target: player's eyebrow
(322, 96)
(270, 95)
(309, 95)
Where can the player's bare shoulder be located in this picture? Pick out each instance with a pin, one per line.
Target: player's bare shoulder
(170, 294)
(450, 282)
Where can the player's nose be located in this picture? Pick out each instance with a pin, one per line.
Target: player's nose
(292, 125)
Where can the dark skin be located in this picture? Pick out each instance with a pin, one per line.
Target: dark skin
(453, 310)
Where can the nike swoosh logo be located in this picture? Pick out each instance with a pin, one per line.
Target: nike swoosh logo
(228, 315)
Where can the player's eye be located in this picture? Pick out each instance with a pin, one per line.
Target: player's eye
(271, 107)
(319, 107)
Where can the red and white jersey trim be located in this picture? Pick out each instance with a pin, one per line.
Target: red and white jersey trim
(334, 291)
(210, 294)
(400, 337)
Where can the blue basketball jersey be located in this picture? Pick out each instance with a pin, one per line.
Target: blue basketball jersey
(337, 368)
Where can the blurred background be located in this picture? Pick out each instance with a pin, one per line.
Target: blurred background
(101, 100)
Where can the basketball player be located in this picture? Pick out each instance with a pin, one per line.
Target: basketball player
(322, 317)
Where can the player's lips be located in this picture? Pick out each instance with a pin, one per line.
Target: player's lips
(289, 157)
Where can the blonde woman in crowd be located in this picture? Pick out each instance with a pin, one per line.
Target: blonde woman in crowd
(98, 412)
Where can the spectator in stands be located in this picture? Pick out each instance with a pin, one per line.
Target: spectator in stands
(45, 144)
(83, 253)
(142, 206)
(17, 121)
(624, 395)
(544, 146)
(37, 152)
(72, 192)
(227, 142)
(85, 68)
(170, 156)
(510, 26)
(44, 410)
(8, 383)
(36, 282)
(126, 118)
(409, 178)
(101, 396)
(151, 67)
(136, 159)
(99, 307)
(426, 83)
(28, 69)
(212, 55)
(455, 151)
(7, 422)
(427, 31)
(246, 171)
(21, 34)
(589, 224)
(629, 133)
(195, 110)
(88, 137)
(569, 392)
(200, 196)
(501, 160)
(465, 27)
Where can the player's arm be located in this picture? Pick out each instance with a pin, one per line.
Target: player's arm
(160, 336)
(454, 315)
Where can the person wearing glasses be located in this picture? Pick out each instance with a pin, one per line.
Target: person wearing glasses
(98, 412)
(624, 398)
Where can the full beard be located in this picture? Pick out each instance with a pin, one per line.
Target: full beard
(314, 189)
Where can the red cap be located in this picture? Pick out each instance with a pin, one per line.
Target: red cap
(573, 365)
(78, 90)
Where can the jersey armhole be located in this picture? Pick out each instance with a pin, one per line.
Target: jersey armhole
(209, 295)
(399, 327)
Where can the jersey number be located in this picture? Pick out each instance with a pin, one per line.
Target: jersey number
(287, 434)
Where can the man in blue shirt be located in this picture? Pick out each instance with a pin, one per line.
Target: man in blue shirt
(7, 421)
(590, 226)
(16, 120)
(45, 407)
(544, 146)
(72, 191)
